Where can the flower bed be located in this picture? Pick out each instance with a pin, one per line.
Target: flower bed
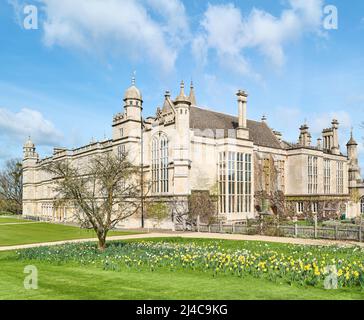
(304, 265)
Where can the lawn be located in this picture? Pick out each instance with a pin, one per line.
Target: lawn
(29, 233)
(67, 279)
(12, 220)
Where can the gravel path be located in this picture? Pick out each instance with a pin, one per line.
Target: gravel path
(195, 235)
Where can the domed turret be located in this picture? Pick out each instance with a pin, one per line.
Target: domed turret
(352, 141)
(29, 144)
(133, 93)
(29, 149)
(133, 102)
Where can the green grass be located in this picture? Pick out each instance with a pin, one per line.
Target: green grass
(75, 281)
(29, 233)
(12, 220)
(89, 283)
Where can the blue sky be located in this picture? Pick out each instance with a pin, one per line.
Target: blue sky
(63, 82)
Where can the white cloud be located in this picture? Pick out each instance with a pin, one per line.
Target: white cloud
(18, 126)
(229, 34)
(118, 26)
(17, 7)
(176, 22)
(316, 122)
(322, 121)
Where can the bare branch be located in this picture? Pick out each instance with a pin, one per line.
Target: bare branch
(105, 193)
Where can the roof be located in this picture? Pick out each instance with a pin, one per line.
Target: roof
(29, 144)
(352, 141)
(260, 133)
(133, 93)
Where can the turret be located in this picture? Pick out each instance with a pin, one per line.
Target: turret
(29, 152)
(354, 169)
(133, 102)
(127, 126)
(181, 142)
(182, 106)
(30, 159)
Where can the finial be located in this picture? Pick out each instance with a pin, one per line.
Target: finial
(133, 78)
(351, 132)
(264, 118)
(192, 95)
(182, 89)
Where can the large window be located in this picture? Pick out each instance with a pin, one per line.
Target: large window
(314, 207)
(235, 182)
(300, 207)
(327, 176)
(160, 175)
(312, 175)
(121, 151)
(340, 178)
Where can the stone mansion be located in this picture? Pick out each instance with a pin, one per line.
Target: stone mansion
(248, 166)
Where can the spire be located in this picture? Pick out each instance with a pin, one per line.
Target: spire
(182, 94)
(192, 95)
(167, 106)
(182, 97)
(352, 141)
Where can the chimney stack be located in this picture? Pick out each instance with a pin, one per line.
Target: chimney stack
(243, 132)
(305, 136)
(242, 103)
(335, 128)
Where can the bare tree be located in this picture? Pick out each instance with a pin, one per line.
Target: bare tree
(105, 193)
(157, 211)
(11, 186)
(179, 208)
(202, 206)
(267, 185)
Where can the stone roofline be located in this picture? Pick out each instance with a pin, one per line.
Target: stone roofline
(296, 146)
(62, 152)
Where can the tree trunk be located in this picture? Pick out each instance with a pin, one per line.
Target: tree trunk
(102, 243)
(102, 240)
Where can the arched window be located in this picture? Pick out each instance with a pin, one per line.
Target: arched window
(362, 205)
(160, 176)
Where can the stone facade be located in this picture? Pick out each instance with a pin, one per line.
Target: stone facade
(186, 148)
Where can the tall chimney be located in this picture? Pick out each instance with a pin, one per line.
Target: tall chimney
(305, 136)
(335, 128)
(242, 103)
(242, 132)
